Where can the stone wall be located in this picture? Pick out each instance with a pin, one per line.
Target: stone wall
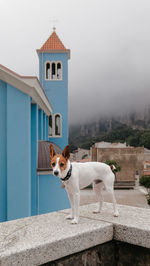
(112, 253)
(98, 239)
(130, 159)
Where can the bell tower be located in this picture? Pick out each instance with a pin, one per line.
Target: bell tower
(53, 76)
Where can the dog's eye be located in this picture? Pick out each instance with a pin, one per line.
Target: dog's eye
(62, 164)
(53, 164)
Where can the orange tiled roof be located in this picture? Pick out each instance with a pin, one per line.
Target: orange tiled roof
(53, 43)
(146, 173)
(148, 161)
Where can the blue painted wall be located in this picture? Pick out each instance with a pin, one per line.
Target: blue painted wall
(34, 157)
(18, 154)
(40, 124)
(3, 151)
(44, 126)
(47, 127)
(22, 192)
(51, 196)
(57, 91)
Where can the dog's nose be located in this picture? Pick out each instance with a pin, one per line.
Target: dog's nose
(56, 173)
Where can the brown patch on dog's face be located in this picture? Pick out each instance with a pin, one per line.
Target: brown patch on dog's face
(54, 160)
(62, 163)
(59, 161)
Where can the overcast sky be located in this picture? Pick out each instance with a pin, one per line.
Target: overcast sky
(109, 70)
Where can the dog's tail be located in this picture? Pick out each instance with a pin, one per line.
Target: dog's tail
(112, 167)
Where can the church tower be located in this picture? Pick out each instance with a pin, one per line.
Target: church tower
(53, 76)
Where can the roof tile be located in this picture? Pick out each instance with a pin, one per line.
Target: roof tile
(53, 43)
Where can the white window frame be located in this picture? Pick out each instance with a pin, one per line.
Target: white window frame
(53, 126)
(47, 62)
(55, 62)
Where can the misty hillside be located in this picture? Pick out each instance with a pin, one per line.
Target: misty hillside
(119, 128)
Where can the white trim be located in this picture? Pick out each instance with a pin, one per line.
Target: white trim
(51, 62)
(55, 136)
(28, 85)
(48, 172)
(67, 51)
(58, 114)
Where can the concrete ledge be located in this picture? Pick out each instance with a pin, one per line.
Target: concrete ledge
(37, 240)
(44, 238)
(132, 226)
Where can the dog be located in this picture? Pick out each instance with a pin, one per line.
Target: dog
(76, 176)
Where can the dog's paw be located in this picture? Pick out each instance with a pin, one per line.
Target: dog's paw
(116, 214)
(74, 221)
(69, 217)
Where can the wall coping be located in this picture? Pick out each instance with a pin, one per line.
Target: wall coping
(43, 238)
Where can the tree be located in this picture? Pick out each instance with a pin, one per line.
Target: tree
(117, 167)
(145, 139)
(133, 140)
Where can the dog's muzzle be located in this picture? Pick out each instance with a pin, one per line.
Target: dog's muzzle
(56, 173)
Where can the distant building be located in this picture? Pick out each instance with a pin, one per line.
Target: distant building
(104, 144)
(130, 159)
(147, 168)
(80, 154)
(146, 154)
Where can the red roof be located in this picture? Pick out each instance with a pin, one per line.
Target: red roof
(53, 43)
(148, 161)
(146, 173)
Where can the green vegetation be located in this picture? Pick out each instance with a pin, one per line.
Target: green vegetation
(145, 181)
(117, 167)
(84, 156)
(122, 133)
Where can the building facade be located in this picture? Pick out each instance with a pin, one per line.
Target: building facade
(130, 159)
(53, 75)
(33, 114)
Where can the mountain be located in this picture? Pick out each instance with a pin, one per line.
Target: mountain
(86, 134)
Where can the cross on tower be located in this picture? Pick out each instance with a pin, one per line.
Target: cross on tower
(54, 21)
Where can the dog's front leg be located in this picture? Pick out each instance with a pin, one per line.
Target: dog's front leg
(76, 203)
(70, 196)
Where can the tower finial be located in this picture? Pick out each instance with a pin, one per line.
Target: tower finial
(54, 21)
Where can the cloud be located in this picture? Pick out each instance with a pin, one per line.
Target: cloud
(112, 72)
(110, 49)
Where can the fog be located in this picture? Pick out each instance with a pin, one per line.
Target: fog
(109, 69)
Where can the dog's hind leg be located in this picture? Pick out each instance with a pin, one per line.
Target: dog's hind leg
(97, 188)
(111, 192)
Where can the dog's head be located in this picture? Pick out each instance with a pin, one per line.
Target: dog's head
(59, 161)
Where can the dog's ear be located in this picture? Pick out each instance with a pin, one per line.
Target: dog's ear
(66, 152)
(51, 151)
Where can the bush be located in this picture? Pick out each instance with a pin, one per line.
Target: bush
(145, 181)
(148, 200)
(117, 167)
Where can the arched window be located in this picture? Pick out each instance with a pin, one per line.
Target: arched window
(47, 70)
(58, 125)
(50, 126)
(59, 71)
(53, 71)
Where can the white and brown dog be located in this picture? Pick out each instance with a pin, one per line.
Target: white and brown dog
(76, 176)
